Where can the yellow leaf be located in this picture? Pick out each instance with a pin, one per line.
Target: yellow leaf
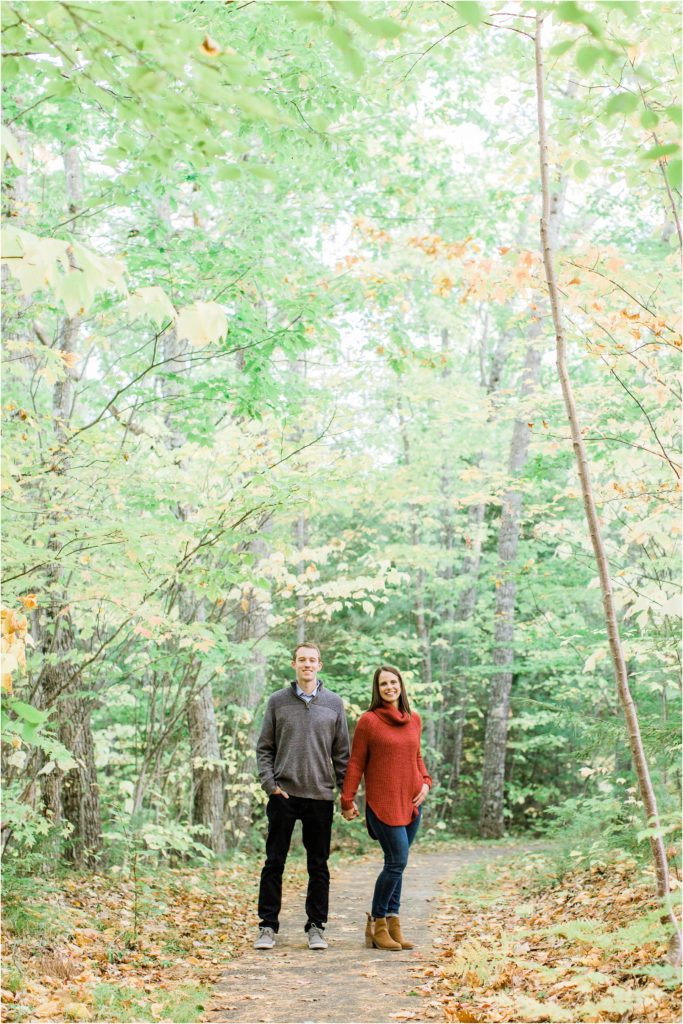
(51, 1009)
(77, 1011)
(202, 323)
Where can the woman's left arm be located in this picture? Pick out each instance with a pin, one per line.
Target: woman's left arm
(424, 774)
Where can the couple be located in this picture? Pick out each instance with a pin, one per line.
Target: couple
(303, 747)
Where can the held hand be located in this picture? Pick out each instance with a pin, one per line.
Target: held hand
(350, 814)
(280, 792)
(421, 796)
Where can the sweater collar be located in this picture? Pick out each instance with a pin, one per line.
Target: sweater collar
(391, 715)
(314, 696)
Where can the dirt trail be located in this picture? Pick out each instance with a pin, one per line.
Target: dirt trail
(346, 982)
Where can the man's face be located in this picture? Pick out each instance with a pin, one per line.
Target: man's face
(306, 664)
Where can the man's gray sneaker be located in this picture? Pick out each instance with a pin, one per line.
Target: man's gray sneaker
(266, 939)
(316, 939)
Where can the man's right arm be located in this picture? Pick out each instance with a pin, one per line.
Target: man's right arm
(265, 752)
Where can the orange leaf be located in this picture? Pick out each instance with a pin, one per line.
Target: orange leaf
(210, 47)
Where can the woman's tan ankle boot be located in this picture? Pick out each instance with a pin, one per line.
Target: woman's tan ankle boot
(394, 929)
(368, 931)
(381, 939)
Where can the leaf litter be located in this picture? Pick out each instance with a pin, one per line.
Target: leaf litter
(145, 947)
(515, 946)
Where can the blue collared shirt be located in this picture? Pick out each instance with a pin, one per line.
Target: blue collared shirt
(308, 697)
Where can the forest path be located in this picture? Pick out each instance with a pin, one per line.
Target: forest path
(346, 982)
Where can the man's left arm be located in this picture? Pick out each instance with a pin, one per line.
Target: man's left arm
(340, 747)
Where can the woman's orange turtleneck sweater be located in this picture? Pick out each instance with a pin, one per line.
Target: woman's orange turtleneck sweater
(386, 749)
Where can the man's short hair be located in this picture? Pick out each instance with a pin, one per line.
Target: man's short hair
(306, 643)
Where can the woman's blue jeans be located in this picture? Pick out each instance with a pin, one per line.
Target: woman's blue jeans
(395, 841)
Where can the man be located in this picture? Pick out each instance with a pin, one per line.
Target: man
(302, 750)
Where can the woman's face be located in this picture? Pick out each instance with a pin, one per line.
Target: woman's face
(389, 687)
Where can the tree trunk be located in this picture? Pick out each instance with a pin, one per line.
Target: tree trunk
(491, 824)
(208, 797)
(301, 537)
(463, 614)
(459, 653)
(207, 770)
(74, 795)
(646, 788)
(251, 625)
(421, 625)
(491, 813)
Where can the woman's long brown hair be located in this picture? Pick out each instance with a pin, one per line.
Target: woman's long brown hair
(377, 701)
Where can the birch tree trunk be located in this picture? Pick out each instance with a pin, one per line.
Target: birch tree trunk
(638, 754)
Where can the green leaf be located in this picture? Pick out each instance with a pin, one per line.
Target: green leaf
(27, 712)
(75, 292)
(473, 13)
(10, 69)
(231, 172)
(675, 113)
(665, 149)
(570, 11)
(622, 103)
(587, 57)
(10, 147)
(261, 171)
(559, 48)
(673, 172)
(304, 13)
(341, 37)
(383, 28)
(649, 119)
(581, 170)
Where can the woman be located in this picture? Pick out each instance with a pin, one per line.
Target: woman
(386, 749)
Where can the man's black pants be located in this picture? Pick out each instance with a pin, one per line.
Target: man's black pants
(316, 823)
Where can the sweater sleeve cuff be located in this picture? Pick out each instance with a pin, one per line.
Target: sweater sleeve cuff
(346, 804)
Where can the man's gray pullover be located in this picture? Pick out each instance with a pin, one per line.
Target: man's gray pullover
(304, 745)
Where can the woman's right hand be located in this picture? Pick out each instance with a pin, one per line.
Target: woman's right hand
(351, 813)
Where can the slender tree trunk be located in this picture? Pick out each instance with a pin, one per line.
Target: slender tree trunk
(491, 812)
(421, 626)
(72, 796)
(207, 772)
(456, 691)
(463, 615)
(646, 788)
(491, 823)
(301, 537)
(208, 798)
(251, 625)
